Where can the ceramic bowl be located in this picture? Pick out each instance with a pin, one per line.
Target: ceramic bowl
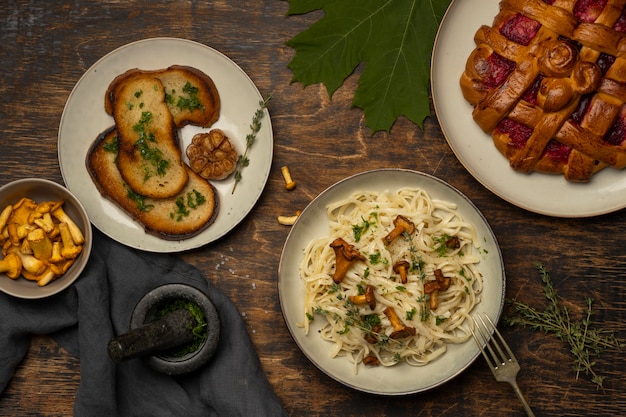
(41, 190)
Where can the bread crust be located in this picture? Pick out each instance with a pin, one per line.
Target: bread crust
(158, 217)
(149, 157)
(174, 79)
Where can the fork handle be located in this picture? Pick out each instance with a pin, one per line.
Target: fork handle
(518, 392)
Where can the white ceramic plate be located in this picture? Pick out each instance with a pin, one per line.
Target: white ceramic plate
(401, 379)
(84, 118)
(545, 194)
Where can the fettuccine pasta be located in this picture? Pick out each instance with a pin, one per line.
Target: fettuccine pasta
(441, 243)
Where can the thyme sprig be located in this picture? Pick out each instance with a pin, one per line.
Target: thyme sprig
(255, 127)
(585, 342)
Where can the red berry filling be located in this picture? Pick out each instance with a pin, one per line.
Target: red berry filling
(588, 10)
(531, 94)
(620, 25)
(520, 29)
(579, 114)
(605, 61)
(517, 132)
(617, 134)
(557, 151)
(498, 71)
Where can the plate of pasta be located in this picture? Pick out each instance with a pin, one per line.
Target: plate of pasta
(379, 277)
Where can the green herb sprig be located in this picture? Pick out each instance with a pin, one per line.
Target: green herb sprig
(585, 342)
(255, 126)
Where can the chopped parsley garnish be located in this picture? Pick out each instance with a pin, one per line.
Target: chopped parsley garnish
(442, 243)
(377, 258)
(192, 200)
(111, 146)
(191, 102)
(151, 154)
(140, 201)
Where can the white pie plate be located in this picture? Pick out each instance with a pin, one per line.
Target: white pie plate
(84, 118)
(540, 193)
(401, 379)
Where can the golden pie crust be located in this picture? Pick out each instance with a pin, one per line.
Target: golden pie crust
(547, 81)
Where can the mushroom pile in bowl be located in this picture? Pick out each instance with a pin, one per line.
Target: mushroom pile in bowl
(46, 238)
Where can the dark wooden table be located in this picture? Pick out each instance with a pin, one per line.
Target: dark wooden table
(47, 46)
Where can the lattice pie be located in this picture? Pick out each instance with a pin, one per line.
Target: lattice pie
(548, 81)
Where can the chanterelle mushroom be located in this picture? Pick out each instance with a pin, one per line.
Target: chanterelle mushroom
(400, 330)
(367, 297)
(432, 288)
(40, 244)
(68, 249)
(402, 267)
(401, 225)
(29, 262)
(62, 217)
(345, 254)
(11, 265)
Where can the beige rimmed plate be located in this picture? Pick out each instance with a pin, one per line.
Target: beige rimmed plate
(401, 379)
(540, 193)
(84, 118)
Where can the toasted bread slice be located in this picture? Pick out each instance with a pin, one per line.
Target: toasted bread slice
(191, 95)
(183, 216)
(149, 158)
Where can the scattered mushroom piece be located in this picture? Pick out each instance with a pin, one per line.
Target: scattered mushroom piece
(62, 217)
(367, 297)
(11, 265)
(401, 225)
(402, 268)
(345, 254)
(290, 184)
(288, 220)
(400, 330)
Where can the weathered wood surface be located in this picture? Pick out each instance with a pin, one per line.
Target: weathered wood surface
(47, 46)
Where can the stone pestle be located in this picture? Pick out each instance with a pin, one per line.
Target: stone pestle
(170, 331)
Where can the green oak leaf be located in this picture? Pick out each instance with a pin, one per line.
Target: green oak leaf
(394, 38)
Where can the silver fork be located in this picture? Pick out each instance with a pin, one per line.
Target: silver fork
(498, 355)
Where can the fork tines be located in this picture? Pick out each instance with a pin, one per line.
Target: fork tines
(500, 353)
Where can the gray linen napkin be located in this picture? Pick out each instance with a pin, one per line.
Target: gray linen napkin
(84, 317)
